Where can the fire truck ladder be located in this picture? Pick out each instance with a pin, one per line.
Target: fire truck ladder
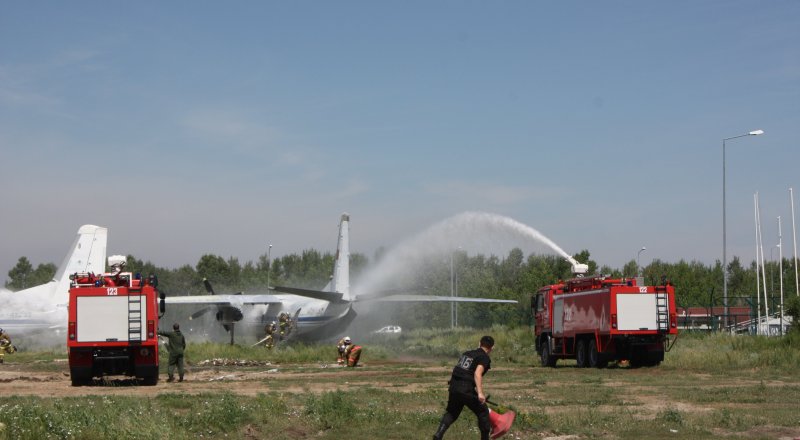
(134, 318)
(662, 312)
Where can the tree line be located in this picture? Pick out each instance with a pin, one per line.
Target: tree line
(514, 276)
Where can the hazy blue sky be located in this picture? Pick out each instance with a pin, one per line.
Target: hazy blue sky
(207, 127)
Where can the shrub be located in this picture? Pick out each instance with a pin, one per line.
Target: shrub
(793, 309)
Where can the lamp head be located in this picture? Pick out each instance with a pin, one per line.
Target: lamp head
(756, 132)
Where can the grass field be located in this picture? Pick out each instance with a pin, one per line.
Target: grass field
(709, 386)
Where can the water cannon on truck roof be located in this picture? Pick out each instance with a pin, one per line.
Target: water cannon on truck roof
(578, 269)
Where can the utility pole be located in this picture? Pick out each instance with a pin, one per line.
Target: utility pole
(269, 264)
(780, 267)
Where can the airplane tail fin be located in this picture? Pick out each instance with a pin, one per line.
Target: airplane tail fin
(338, 289)
(341, 265)
(87, 254)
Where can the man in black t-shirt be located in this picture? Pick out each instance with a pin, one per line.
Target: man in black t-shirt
(466, 389)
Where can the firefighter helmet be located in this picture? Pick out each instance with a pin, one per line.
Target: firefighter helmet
(347, 339)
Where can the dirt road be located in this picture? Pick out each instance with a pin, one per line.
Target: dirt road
(214, 375)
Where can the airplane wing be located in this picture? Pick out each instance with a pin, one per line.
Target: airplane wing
(334, 297)
(223, 300)
(435, 298)
(29, 326)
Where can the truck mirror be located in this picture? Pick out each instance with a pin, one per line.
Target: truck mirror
(162, 306)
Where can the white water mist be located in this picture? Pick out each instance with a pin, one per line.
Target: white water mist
(469, 231)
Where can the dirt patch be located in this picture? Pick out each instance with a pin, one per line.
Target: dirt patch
(234, 376)
(776, 432)
(554, 393)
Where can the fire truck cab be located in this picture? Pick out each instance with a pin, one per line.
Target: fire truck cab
(598, 319)
(112, 327)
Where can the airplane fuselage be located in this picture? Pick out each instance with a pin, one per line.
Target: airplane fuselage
(317, 319)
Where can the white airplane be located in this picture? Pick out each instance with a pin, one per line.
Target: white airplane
(44, 307)
(318, 314)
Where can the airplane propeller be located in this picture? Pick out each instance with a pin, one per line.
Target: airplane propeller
(199, 313)
(226, 315)
(207, 284)
(204, 310)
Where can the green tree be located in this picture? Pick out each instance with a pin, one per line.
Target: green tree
(145, 269)
(181, 281)
(234, 274)
(583, 257)
(216, 269)
(630, 269)
(23, 275)
(611, 272)
(738, 285)
(792, 305)
(511, 268)
(476, 278)
(43, 273)
(19, 275)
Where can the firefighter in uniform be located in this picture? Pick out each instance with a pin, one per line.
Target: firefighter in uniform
(353, 354)
(5, 345)
(466, 389)
(175, 347)
(289, 324)
(342, 348)
(269, 340)
(283, 319)
(349, 353)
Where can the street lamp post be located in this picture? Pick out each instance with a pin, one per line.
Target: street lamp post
(724, 228)
(452, 295)
(455, 282)
(269, 264)
(780, 268)
(772, 273)
(453, 290)
(638, 267)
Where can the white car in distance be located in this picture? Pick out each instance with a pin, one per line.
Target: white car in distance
(389, 329)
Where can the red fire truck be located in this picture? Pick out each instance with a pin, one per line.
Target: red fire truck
(597, 319)
(113, 320)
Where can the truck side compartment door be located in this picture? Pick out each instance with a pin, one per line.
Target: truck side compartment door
(558, 316)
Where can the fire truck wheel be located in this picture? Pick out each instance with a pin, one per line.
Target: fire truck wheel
(596, 359)
(647, 359)
(80, 381)
(150, 380)
(580, 354)
(548, 360)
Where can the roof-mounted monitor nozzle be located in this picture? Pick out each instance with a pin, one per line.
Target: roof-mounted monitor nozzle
(116, 263)
(578, 269)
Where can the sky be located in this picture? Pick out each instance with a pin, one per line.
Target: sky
(192, 128)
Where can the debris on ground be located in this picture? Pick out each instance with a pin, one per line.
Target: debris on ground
(220, 362)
